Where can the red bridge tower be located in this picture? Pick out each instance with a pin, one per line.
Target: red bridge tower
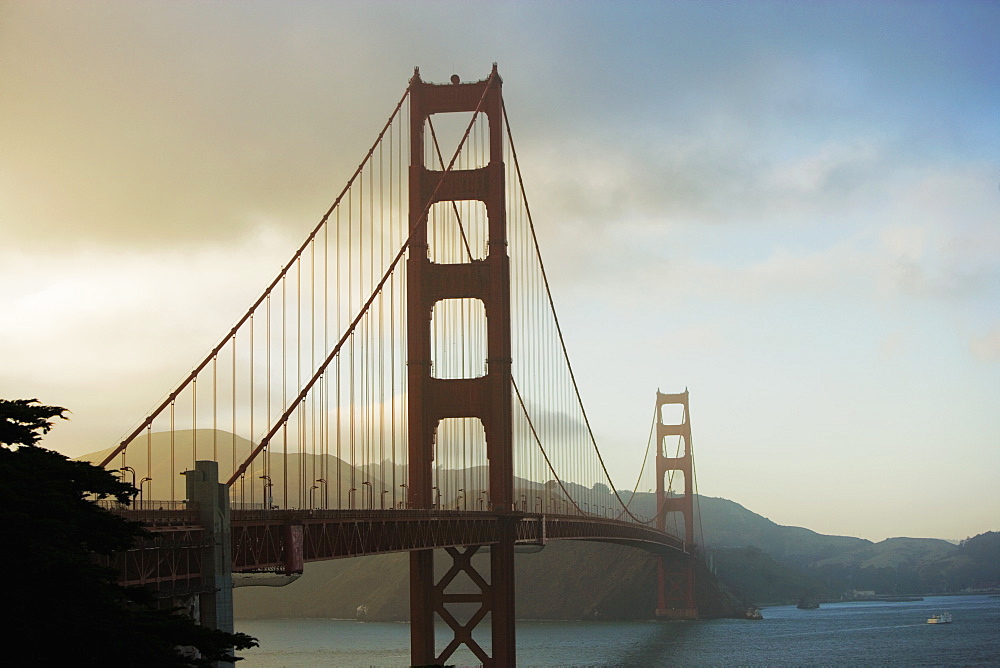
(487, 398)
(676, 598)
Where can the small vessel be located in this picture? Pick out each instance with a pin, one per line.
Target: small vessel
(808, 602)
(943, 618)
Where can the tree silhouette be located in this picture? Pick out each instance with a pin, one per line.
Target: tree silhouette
(60, 603)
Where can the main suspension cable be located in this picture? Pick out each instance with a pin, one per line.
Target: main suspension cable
(562, 341)
(280, 277)
(374, 294)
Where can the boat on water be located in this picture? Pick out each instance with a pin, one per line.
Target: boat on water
(808, 602)
(943, 618)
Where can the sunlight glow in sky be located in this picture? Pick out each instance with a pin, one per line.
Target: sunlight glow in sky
(790, 208)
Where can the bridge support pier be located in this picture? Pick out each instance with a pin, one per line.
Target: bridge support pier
(676, 598)
(502, 595)
(211, 499)
(422, 607)
(430, 597)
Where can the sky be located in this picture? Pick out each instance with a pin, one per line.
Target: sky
(792, 209)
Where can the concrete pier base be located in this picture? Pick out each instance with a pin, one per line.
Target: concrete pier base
(211, 499)
(677, 613)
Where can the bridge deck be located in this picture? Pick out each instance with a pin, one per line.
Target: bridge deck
(261, 542)
(283, 540)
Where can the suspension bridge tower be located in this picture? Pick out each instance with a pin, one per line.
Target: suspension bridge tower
(487, 398)
(675, 580)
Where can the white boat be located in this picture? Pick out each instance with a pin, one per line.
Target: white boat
(943, 618)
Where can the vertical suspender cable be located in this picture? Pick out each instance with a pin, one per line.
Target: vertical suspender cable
(250, 433)
(337, 383)
(173, 464)
(194, 422)
(284, 389)
(215, 407)
(233, 397)
(326, 378)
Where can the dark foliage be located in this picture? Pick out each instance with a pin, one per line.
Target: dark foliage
(754, 576)
(24, 421)
(60, 603)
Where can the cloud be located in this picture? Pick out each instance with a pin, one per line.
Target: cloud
(920, 233)
(986, 348)
(694, 337)
(893, 346)
(699, 178)
(153, 125)
(106, 313)
(941, 234)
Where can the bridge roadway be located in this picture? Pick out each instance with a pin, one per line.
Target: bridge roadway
(281, 541)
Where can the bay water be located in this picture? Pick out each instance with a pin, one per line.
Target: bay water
(837, 634)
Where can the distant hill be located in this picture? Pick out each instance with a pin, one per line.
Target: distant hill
(754, 576)
(976, 565)
(725, 523)
(728, 524)
(916, 566)
(832, 565)
(230, 450)
(893, 553)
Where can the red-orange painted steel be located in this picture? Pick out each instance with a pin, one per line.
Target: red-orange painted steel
(675, 582)
(488, 398)
(169, 559)
(282, 540)
(262, 544)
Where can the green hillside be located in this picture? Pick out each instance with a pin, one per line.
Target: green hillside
(893, 553)
(832, 565)
(754, 576)
(728, 524)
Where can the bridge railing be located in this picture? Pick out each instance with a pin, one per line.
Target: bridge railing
(155, 513)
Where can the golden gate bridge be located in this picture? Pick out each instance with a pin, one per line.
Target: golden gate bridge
(402, 384)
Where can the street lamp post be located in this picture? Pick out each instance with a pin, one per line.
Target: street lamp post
(461, 495)
(371, 494)
(326, 491)
(350, 497)
(267, 491)
(132, 471)
(312, 495)
(141, 483)
(381, 501)
(482, 499)
(405, 493)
